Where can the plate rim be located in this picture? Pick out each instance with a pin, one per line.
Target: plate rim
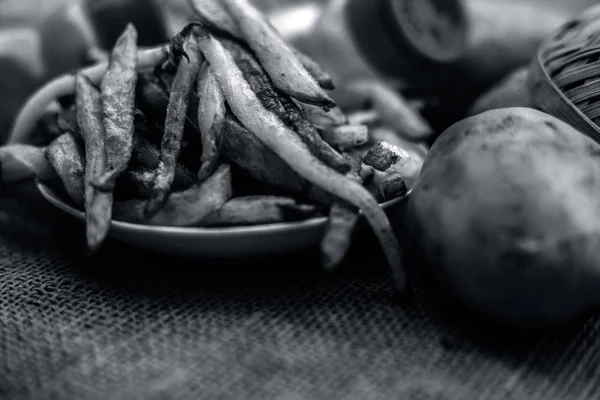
(52, 197)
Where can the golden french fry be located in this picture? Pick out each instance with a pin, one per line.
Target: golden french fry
(214, 14)
(98, 203)
(340, 226)
(388, 158)
(20, 162)
(186, 208)
(118, 106)
(418, 150)
(363, 117)
(276, 56)
(259, 210)
(323, 119)
(242, 148)
(387, 186)
(170, 148)
(316, 71)
(67, 159)
(211, 119)
(283, 106)
(394, 111)
(284, 142)
(345, 137)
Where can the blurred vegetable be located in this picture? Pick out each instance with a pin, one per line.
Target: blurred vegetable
(511, 91)
(506, 208)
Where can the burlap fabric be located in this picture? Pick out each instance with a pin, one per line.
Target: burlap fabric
(188, 329)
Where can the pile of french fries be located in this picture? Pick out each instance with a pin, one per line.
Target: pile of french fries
(225, 126)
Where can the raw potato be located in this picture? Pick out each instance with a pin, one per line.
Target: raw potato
(512, 91)
(507, 208)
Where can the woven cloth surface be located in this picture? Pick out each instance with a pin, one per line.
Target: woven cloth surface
(161, 328)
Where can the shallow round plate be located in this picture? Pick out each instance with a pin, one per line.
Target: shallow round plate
(230, 242)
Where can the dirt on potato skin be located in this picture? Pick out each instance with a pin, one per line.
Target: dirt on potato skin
(507, 210)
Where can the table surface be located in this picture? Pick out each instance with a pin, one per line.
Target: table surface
(133, 325)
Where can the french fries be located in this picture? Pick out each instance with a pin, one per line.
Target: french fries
(279, 60)
(211, 118)
(345, 137)
(322, 119)
(340, 226)
(67, 159)
(390, 159)
(98, 203)
(118, 95)
(213, 106)
(183, 83)
(216, 15)
(282, 106)
(393, 110)
(186, 208)
(20, 161)
(284, 142)
(259, 210)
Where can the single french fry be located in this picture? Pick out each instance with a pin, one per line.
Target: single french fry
(20, 162)
(183, 83)
(211, 120)
(340, 226)
(363, 117)
(67, 159)
(316, 71)
(345, 137)
(388, 158)
(279, 60)
(98, 203)
(186, 208)
(322, 119)
(387, 186)
(393, 110)
(259, 210)
(118, 106)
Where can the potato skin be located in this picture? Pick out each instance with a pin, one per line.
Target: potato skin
(507, 208)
